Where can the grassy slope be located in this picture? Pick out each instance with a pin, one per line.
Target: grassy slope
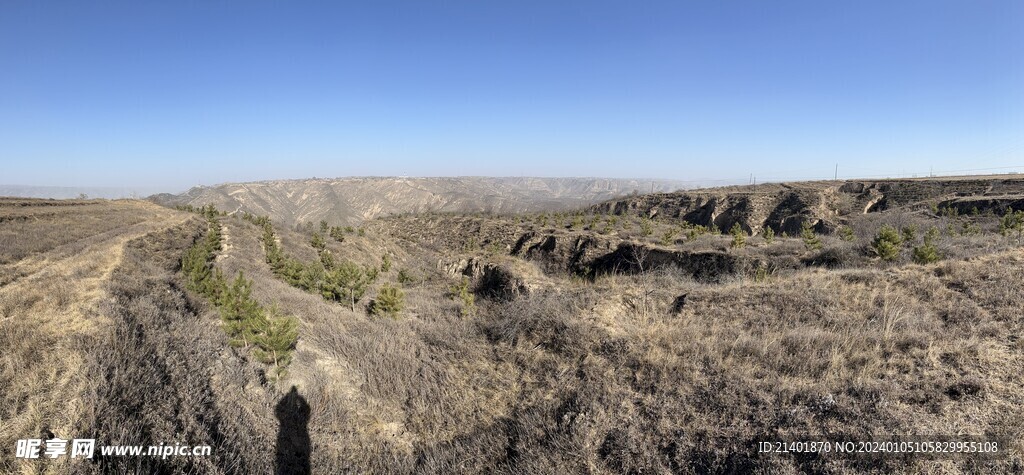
(56, 260)
(576, 376)
(602, 377)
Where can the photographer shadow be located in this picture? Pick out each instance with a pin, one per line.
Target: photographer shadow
(293, 446)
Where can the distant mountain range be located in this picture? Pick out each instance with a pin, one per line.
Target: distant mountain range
(352, 200)
(66, 192)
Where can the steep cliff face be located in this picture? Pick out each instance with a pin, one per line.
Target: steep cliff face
(353, 200)
(786, 207)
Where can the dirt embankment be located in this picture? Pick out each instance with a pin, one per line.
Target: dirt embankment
(825, 205)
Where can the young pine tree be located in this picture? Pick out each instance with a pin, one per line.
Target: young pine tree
(1012, 224)
(350, 282)
(846, 233)
(887, 243)
(811, 240)
(739, 236)
(318, 243)
(927, 253)
(276, 340)
(239, 312)
(389, 301)
(462, 292)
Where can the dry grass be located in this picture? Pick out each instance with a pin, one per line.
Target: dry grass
(602, 377)
(639, 372)
(50, 300)
(157, 374)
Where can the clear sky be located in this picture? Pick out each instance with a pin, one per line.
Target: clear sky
(171, 94)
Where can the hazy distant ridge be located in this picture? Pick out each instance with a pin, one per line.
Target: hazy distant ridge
(66, 192)
(352, 200)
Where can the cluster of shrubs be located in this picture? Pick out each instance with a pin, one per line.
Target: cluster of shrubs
(334, 232)
(208, 210)
(889, 243)
(271, 335)
(335, 280)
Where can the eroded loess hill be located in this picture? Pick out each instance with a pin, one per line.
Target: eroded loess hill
(571, 342)
(353, 200)
(826, 205)
(597, 345)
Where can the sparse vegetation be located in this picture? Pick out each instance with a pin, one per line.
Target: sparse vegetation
(405, 277)
(534, 351)
(244, 319)
(646, 226)
(462, 293)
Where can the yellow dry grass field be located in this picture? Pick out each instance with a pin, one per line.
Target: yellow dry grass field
(55, 258)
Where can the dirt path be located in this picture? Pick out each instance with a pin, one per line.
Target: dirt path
(49, 302)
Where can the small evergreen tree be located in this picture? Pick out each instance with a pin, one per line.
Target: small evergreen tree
(327, 260)
(337, 233)
(385, 264)
(887, 243)
(239, 312)
(462, 292)
(739, 237)
(577, 222)
(318, 243)
(909, 234)
(811, 240)
(646, 226)
(276, 340)
(348, 281)
(846, 233)
(669, 237)
(768, 234)
(1012, 223)
(389, 301)
(927, 253)
(404, 277)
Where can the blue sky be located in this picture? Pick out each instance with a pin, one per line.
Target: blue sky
(171, 94)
